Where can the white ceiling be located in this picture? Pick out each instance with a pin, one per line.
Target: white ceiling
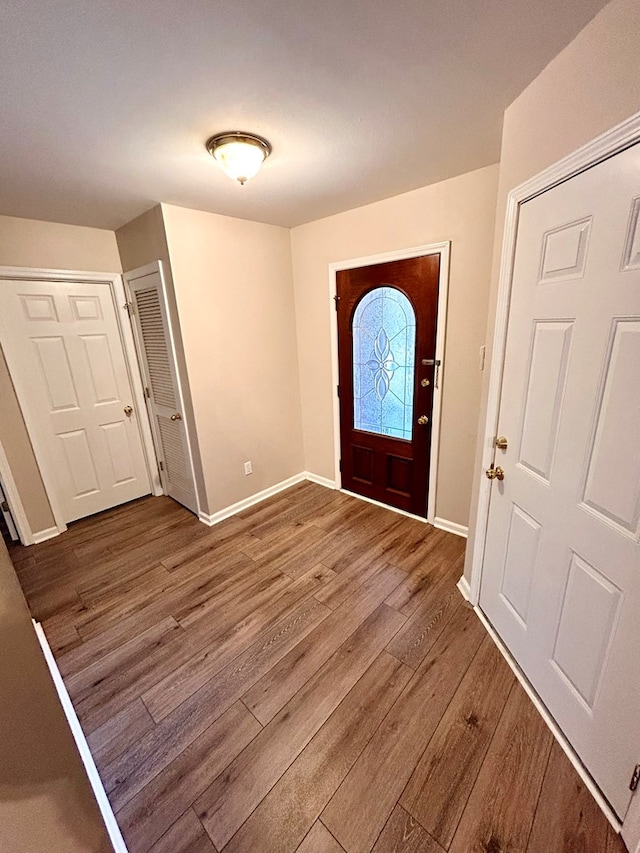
(106, 104)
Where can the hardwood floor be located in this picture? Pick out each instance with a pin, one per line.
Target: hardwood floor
(303, 676)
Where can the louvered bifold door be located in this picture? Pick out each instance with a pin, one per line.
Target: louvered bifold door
(151, 325)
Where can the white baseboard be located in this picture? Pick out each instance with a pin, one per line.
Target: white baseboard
(465, 588)
(43, 535)
(227, 512)
(451, 527)
(551, 723)
(87, 759)
(321, 481)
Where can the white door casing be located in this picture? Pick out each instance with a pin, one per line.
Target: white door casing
(6, 514)
(156, 351)
(65, 354)
(561, 572)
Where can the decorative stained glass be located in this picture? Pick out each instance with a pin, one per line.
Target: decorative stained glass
(384, 341)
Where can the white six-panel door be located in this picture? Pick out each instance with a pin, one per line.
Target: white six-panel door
(65, 354)
(561, 573)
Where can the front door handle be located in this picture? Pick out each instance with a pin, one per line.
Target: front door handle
(423, 419)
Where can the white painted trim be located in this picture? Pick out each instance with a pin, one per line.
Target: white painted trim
(135, 375)
(606, 145)
(85, 754)
(13, 499)
(320, 481)
(548, 719)
(451, 527)
(43, 535)
(464, 588)
(114, 281)
(149, 269)
(245, 503)
(443, 249)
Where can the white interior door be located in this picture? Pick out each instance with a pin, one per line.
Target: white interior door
(152, 330)
(65, 355)
(561, 573)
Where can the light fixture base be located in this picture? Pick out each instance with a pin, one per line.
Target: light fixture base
(221, 145)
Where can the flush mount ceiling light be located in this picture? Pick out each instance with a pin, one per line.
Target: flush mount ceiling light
(240, 155)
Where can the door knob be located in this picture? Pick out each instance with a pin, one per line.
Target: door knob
(423, 419)
(176, 417)
(128, 410)
(495, 473)
(502, 443)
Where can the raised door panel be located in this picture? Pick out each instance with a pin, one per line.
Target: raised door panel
(564, 251)
(612, 488)
(53, 361)
(119, 452)
(101, 369)
(585, 628)
(631, 257)
(521, 557)
(80, 463)
(545, 387)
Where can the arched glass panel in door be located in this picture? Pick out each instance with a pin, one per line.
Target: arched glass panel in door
(384, 343)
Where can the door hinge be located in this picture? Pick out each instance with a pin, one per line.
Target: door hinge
(161, 465)
(4, 506)
(635, 778)
(147, 393)
(336, 299)
(128, 306)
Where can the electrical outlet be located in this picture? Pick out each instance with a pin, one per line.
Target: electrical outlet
(248, 468)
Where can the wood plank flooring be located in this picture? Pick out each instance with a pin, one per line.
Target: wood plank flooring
(302, 677)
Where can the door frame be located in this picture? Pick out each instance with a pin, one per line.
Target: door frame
(444, 250)
(140, 272)
(114, 280)
(606, 145)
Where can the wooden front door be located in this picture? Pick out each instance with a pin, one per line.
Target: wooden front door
(387, 315)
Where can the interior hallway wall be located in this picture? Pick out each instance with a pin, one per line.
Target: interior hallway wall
(461, 210)
(45, 245)
(592, 85)
(234, 294)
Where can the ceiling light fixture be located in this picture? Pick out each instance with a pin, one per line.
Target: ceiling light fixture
(239, 155)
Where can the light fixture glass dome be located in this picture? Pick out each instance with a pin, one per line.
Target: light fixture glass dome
(239, 155)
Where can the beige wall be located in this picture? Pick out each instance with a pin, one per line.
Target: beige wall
(46, 802)
(460, 210)
(234, 294)
(46, 245)
(592, 85)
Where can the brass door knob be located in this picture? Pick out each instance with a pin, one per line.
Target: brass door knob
(495, 473)
(423, 419)
(128, 410)
(501, 443)
(176, 417)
